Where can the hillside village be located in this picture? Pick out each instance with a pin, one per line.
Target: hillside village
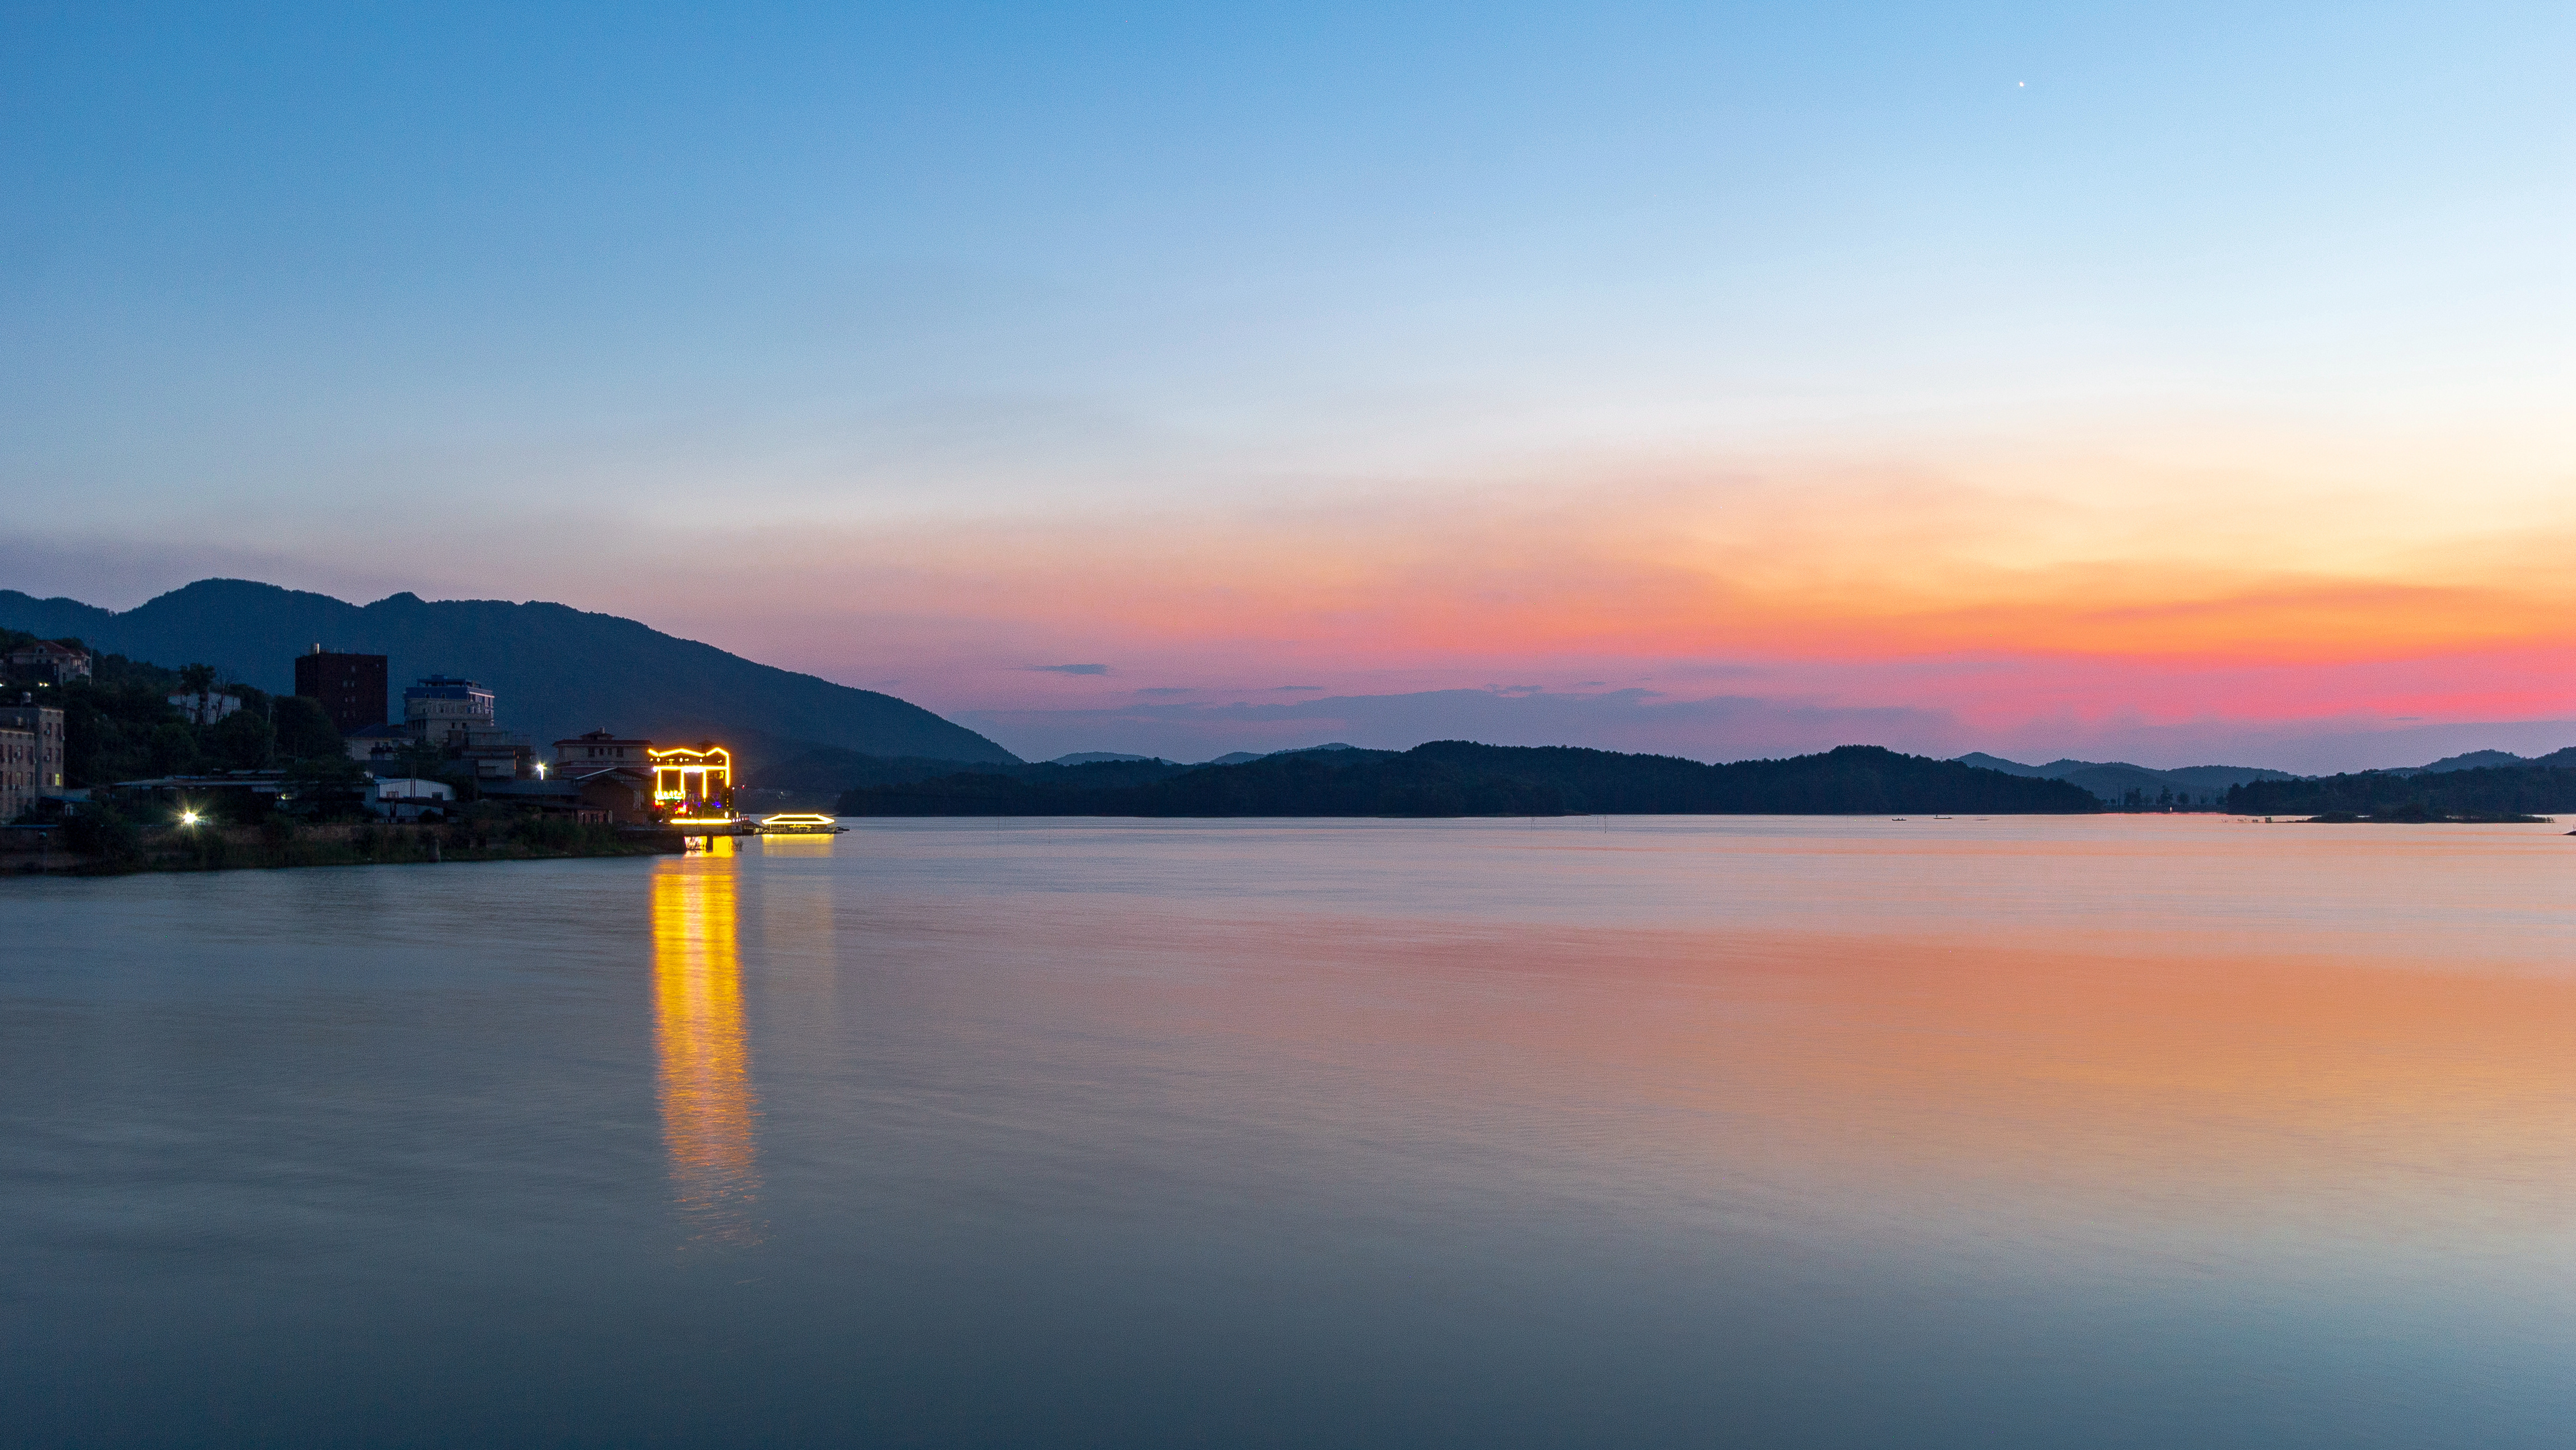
(95, 735)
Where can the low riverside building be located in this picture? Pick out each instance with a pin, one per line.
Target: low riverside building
(410, 798)
(47, 662)
(613, 797)
(31, 756)
(167, 796)
(625, 795)
(505, 759)
(577, 800)
(350, 687)
(599, 750)
(377, 746)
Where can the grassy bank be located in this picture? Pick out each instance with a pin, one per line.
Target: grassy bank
(283, 843)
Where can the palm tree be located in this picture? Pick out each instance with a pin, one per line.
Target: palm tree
(197, 682)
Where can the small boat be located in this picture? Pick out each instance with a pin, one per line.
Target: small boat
(800, 823)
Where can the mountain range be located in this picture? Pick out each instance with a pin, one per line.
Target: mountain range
(2113, 781)
(555, 671)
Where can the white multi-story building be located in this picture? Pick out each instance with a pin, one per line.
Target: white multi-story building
(446, 710)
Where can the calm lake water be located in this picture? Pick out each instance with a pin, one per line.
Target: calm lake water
(1688, 1131)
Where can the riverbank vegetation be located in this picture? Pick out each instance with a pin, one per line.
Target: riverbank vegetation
(104, 843)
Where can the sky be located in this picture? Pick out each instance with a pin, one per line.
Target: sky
(2176, 383)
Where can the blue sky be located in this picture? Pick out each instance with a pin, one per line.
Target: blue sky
(291, 236)
(274, 283)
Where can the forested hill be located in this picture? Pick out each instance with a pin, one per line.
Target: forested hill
(2510, 790)
(1457, 778)
(556, 670)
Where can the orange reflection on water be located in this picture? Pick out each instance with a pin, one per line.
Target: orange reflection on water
(705, 1061)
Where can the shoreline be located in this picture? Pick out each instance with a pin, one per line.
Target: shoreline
(267, 848)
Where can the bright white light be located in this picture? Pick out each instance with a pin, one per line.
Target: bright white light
(187, 818)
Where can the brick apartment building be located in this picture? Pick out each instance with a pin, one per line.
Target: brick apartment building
(351, 688)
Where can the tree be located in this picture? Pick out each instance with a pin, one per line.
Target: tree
(240, 741)
(304, 732)
(97, 830)
(197, 679)
(173, 749)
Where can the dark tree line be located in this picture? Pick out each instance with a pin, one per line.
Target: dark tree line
(120, 725)
(2496, 790)
(1458, 778)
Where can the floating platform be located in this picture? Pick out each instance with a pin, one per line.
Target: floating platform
(800, 824)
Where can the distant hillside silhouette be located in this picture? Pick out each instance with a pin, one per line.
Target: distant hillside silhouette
(2510, 790)
(2482, 759)
(558, 671)
(1457, 778)
(820, 772)
(2118, 781)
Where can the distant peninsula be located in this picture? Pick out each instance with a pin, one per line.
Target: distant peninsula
(1459, 778)
(2488, 792)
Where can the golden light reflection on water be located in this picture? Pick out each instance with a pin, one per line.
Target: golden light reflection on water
(704, 1056)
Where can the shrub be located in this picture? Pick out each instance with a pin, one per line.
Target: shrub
(101, 832)
(212, 851)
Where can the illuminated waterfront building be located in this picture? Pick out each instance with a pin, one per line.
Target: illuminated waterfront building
(690, 780)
